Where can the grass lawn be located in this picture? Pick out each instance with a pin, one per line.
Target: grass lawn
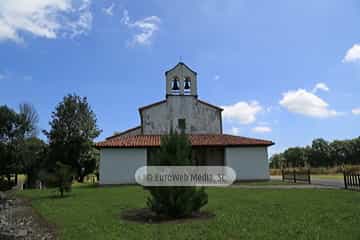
(94, 213)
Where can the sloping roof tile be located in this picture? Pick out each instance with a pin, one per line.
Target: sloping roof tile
(123, 132)
(201, 140)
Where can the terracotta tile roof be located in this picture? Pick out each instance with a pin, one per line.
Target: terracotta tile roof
(225, 140)
(123, 132)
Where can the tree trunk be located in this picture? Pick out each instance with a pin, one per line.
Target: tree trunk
(81, 178)
(31, 180)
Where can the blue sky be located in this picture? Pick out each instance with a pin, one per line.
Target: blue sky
(260, 60)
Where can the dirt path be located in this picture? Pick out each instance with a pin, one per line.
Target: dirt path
(18, 220)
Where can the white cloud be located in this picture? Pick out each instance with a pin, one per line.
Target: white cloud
(261, 129)
(216, 77)
(242, 112)
(235, 130)
(306, 103)
(356, 111)
(147, 27)
(353, 54)
(109, 10)
(320, 86)
(44, 18)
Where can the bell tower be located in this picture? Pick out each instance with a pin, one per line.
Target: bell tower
(181, 80)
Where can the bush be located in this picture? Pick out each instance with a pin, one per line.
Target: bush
(61, 178)
(6, 184)
(175, 202)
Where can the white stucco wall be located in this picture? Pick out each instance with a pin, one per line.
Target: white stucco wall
(249, 163)
(118, 165)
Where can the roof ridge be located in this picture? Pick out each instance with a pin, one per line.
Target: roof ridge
(210, 105)
(152, 104)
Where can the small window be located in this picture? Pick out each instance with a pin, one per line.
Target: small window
(182, 124)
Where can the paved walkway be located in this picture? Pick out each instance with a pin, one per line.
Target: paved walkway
(279, 186)
(334, 183)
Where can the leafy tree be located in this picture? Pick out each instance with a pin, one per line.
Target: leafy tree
(355, 158)
(33, 156)
(175, 150)
(90, 161)
(13, 128)
(295, 157)
(277, 161)
(320, 153)
(73, 129)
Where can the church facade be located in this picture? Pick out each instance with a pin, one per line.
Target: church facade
(123, 153)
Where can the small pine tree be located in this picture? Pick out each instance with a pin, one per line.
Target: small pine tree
(64, 177)
(61, 178)
(176, 202)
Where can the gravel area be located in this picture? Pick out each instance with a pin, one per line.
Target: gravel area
(19, 221)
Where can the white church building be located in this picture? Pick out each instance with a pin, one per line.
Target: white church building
(123, 153)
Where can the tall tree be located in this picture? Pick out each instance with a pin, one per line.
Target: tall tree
(277, 161)
(29, 115)
(320, 153)
(72, 130)
(33, 155)
(295, 157)
(13, 128)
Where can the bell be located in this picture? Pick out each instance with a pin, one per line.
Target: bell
(187, 84)
(175, 85)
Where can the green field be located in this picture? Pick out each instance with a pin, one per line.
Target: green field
(329, 176)
(94, 213)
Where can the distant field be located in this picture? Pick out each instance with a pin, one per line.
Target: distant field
(328, 176)
(265, 183)
(94, 213)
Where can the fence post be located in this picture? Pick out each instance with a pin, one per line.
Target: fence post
(282, 174)
(345, 182)
(309, 178)
(294, 173)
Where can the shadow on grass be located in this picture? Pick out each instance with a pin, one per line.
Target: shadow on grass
(145, 215)
(86, 185)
